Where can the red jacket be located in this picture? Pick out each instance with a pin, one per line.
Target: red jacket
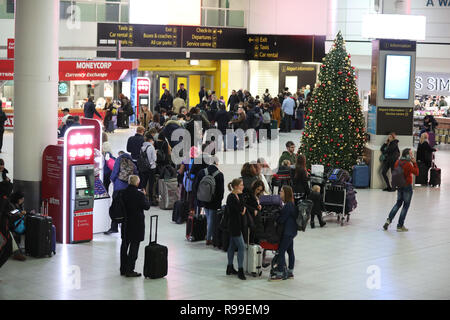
(409, 169)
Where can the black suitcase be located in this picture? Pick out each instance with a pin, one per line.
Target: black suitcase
(180, 211)
(196, 228)
(422, 178)
(38, 236)
(217, 232)
(435, 176)
(155, 264)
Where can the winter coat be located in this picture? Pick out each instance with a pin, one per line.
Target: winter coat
(134, 145)
(135, 203)
(287, 218)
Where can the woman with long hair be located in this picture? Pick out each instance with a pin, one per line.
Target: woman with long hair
(424, 158)
(287, 218)
(235, 211)
(301, 177)
(276, 110)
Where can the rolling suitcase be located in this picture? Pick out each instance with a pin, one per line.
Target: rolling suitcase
(253, 259)
(361, 176)
(196, 228)
(155, 264)
(168, 189)
(38, 236)
(435, 176)
(180, 211)
(53, 239)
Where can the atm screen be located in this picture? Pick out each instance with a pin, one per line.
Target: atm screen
(81, 182)
(144, 101)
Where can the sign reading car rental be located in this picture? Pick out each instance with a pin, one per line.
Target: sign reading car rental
(81, 69)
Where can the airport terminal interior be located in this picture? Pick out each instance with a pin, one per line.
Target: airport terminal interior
(350, 79)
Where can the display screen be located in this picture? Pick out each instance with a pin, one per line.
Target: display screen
(144, 101)
(397, 77)
(81, 182)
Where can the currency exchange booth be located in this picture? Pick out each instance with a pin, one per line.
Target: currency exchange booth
(68, 184)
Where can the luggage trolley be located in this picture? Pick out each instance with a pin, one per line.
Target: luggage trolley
(334, 198)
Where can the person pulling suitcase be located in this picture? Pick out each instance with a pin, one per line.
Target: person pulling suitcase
(133, 229)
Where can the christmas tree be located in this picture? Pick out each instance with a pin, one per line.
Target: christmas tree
(334, 122)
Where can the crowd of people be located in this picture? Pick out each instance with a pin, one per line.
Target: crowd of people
(135, 172)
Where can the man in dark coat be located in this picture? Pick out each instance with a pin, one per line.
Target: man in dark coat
(233, 100)
(133, 229)
(202, 94)
(89, 109)
(166, 101)
(182, 92)
(135, 143)
(391, 153)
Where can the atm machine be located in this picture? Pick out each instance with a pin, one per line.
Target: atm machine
(68, 184)
(81, 202)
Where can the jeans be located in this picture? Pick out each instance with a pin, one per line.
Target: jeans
(386, 168)
(209, 221)
(404, 196)
(286, 245)
(236, 242)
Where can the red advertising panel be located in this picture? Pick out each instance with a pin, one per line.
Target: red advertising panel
(142, 88)
(80, 149)
(82, 225)
(10, 48)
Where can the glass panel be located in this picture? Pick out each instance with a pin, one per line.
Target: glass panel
(203, 17)
(4, 11)
(210, 3)
(10, 6)
(101, 13)
(215, 17)
(236, 19)
(87, 11)
(124, 13)
(112, 12)
(63, 6)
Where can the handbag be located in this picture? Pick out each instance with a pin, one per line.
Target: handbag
(19, 226)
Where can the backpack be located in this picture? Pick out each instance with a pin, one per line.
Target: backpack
(126, 169)
(207, 186)
(304, 208)
(398, 176)
(266, 98)
(143, 164)
(256, 119)
(117, 211)
(266, 117)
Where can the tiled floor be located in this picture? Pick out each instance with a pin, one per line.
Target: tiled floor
(331, 263)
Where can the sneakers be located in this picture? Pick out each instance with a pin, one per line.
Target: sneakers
(290, 274)
(277, 275)
(402, 229)
(386, 225)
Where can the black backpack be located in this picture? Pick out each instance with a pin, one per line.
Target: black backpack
(143, 164)
(117, 211)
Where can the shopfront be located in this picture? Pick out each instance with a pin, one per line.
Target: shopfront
(78, 79)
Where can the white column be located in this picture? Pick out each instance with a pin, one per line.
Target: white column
(35, 92)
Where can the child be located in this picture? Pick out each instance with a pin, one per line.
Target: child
(317, 209)
(285, 168)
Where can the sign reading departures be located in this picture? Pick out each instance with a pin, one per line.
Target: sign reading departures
(257, 47)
